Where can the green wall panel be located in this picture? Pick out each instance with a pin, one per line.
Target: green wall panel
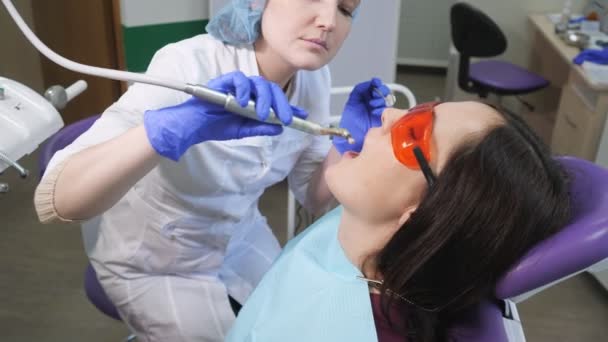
(142, 42)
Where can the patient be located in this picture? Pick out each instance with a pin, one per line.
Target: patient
(437, 206)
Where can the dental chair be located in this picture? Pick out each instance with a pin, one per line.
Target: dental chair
(58, 141)
(580, 245)
(474, 34)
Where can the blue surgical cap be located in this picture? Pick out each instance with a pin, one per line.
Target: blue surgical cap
(238, 22)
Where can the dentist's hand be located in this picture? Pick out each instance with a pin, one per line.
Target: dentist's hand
(172, 130)
(363, 111)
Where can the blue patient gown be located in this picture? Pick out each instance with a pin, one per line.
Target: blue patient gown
(311, 293)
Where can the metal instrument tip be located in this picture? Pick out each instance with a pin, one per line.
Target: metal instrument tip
(339, 132)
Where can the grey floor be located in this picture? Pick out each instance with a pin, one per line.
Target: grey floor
(41, 271)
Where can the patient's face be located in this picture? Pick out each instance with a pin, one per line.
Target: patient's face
(376, 186)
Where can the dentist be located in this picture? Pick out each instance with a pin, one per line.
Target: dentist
(167, 186)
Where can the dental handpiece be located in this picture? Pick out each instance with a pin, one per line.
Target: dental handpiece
(230, 103)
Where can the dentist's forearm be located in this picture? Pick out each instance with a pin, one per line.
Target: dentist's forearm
(93, 180)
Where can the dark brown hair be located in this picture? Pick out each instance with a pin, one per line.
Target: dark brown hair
(495, 198)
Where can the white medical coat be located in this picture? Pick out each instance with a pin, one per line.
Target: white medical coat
(197, 219)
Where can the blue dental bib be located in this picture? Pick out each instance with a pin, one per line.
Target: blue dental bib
(311, 293)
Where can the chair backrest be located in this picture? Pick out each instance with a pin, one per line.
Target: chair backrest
(474, 34)
(61, 139)
(579, 245)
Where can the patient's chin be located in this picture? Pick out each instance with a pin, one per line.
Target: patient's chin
(331, 175)
(337, 182)
(345, 183)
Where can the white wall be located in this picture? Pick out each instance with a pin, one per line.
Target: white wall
(151, 12)
(424, 32)
(19, 60)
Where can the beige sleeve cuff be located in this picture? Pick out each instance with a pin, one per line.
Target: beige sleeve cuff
(44, 197)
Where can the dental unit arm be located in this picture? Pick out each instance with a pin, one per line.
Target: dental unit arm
(199, 91)
(27, 119)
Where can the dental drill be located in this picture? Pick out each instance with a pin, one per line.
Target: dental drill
(228, 101)
(230, 104)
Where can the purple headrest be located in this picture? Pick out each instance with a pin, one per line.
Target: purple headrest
(582, 243)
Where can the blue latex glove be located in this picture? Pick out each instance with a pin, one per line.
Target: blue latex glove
(171, 131)
(363, 111)
(591, 55)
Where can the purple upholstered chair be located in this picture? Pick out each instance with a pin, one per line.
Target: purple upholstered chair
(58, 141)
(96, 294)
(578, 246)
(474, 34)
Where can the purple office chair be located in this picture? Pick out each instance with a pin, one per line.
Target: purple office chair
(474, 34)
(58, 141)
(578, 246)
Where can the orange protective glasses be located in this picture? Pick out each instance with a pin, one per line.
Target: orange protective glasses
(411, 137)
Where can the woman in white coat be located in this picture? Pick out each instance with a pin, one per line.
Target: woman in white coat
(167, 187)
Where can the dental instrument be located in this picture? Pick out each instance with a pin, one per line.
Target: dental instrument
(390, 99)
(228, 101)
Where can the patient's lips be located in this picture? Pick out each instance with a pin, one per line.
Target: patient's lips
(350, 154)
